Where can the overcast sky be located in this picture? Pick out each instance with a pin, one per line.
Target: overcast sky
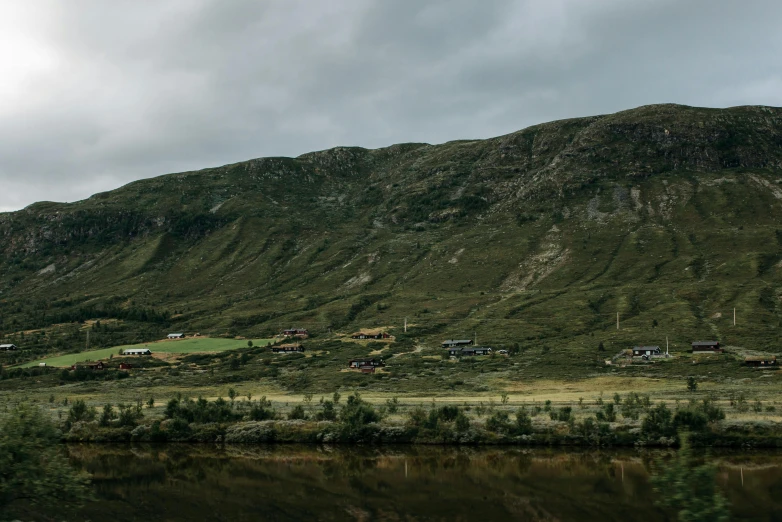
(94, 94)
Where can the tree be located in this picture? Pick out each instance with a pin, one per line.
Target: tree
(151, 403)
(688, 489)
(692, 384)
(33, 471)
(249, 344)
(231, 394)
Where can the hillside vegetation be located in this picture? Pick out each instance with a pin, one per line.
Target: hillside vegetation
(666, 215)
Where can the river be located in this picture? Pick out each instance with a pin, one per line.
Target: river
(237, 483)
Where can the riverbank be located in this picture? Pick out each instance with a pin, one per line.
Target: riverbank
(627, 421)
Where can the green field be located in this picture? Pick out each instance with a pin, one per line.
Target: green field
(177, 346)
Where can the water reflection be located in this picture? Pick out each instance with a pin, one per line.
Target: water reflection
(237, 483)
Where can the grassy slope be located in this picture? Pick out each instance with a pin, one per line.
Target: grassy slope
(538, 238)
(178, 346)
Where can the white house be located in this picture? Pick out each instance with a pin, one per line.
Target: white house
(176, 336)
(8, 347)
(137, 351)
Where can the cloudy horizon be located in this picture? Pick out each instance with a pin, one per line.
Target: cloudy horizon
(96, 94)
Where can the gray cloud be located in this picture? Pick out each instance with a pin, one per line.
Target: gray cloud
(96, 94)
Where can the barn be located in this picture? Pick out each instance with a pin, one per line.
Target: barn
(137, 351)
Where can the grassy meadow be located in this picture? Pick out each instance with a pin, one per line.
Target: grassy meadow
(173, 346)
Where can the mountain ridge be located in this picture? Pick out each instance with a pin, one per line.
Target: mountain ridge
(461, 235)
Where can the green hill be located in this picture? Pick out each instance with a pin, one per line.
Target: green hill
(667, 215)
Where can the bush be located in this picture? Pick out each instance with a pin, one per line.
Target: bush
(523, 422)
(498, 422)
(658, 422)
(392, 405)
(593, 431)
(107, 415)
(34, 470)
(356, 413)
(690, 420)
(632, 406)
(297, 413)
(462, 423)
(201, 411)
(565, 414)
(262, 410)
(607, 414)
(79, 412)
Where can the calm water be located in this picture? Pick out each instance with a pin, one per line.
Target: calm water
(199, 482)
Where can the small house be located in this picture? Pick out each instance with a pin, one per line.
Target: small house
(453, 343)
(125, 366)
(137, 351)
(176, 336)
(763, 361)
(647, 352)
(706, 346)
(371, 335)
(478, 350)
(6, 347)
(361, 363)
(287, 348)
(98, 366)
(301, 333)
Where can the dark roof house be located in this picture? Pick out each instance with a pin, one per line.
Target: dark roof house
(370, 335)
(287, 348)
(8, 347)
(296, 332)
(89, 366)
(450, 343)
(707, 346)
(469, 352)
(646, 351)
(360, 363)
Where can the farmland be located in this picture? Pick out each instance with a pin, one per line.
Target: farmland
(178, 346)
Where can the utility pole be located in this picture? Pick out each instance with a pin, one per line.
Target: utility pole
(88, 340)
(666, 347)
(476, 338)
(405, 324)
(734, 317)
(617, 320)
